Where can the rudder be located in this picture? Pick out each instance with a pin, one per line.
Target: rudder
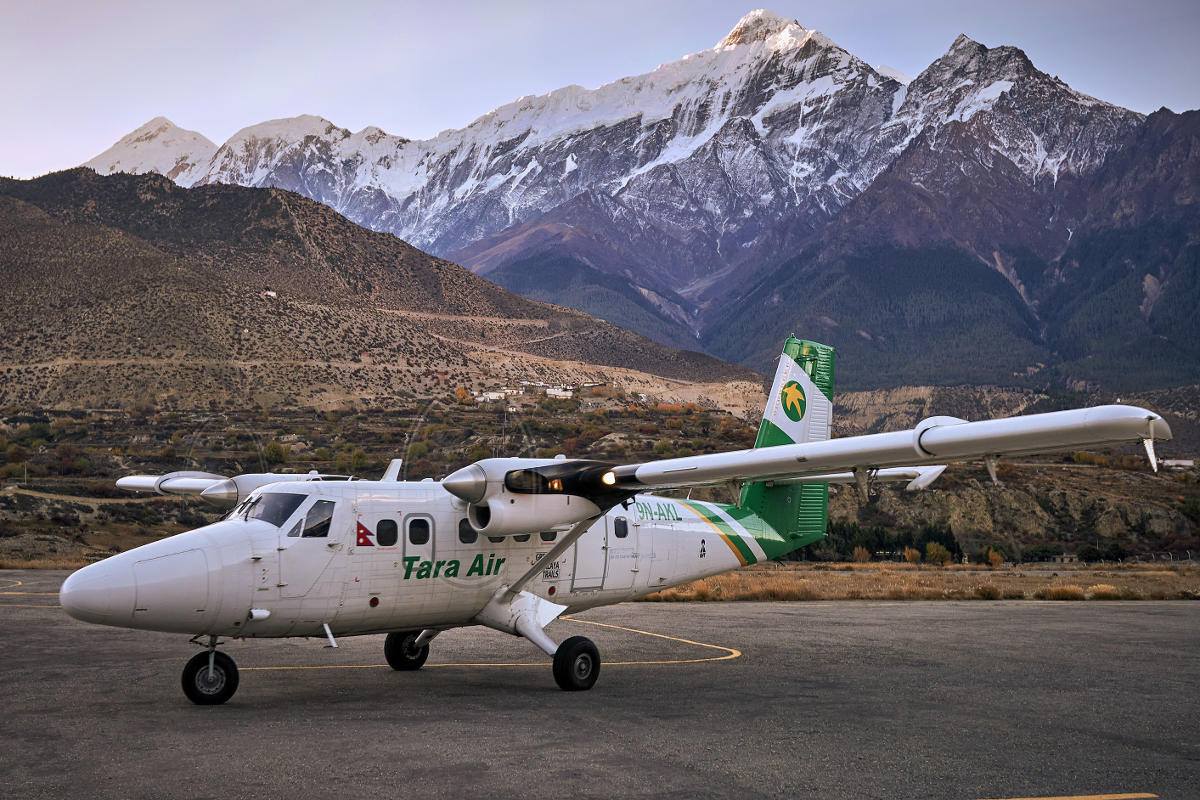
(799, 409)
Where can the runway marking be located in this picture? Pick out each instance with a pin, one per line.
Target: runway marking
(14, 583)
(1133, 796)
(729, 653)
(44, 594)
(26, 605)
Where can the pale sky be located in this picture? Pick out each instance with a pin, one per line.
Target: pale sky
(80, 74)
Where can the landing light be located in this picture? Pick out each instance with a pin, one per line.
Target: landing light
(608, 479)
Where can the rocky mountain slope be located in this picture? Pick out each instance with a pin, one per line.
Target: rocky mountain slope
(132, 287)
(777, 159)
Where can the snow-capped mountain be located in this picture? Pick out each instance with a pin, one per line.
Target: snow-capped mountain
(158, 146)
(688, 183)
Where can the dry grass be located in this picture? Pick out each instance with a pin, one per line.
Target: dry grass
(909, 582)
(50, 562)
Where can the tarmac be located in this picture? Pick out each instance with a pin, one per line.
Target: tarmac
(799, 700)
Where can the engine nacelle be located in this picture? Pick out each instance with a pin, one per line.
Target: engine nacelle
(508, 496)
(512, 514)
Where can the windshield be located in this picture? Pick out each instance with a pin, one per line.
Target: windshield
(274, 507)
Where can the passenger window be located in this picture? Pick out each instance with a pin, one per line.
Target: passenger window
(548, 536)
(620, 527)
(418, 530)
(466, 534)
(524, 537)
(495, 539)
(316, 524)
(386, 533)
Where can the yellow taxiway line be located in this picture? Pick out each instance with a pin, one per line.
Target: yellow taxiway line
(1133, 796)
(727, 654)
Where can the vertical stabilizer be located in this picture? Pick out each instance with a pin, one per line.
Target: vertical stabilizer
(799, 409)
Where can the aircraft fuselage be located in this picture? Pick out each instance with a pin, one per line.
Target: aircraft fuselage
(394, 556)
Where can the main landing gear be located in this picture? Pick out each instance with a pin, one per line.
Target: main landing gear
(210, 678)
(576, 661)
(576, 664)
(407, 650)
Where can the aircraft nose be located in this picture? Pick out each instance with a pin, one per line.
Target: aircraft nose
(102, 593)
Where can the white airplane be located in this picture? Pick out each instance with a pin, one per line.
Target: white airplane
(512, 543)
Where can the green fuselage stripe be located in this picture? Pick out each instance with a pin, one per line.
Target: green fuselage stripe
(734, 538)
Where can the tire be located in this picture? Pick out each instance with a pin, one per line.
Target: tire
(202, 690)
(399, 651)
(576, 664)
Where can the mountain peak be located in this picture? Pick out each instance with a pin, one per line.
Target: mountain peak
(157, 146)
(758, 26)
(964, 42)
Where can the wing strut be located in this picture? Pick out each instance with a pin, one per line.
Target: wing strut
(577, 530)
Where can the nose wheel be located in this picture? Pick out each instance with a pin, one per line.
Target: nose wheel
(210, 678)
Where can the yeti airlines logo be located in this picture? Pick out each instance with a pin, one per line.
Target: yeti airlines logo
(792, 398)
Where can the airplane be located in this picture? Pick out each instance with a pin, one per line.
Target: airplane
(512, 543)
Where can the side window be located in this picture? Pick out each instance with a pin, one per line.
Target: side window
(316, 524)
(548, 536)
(620, 527)
(466, 534)
(386, 532)
(418, 530)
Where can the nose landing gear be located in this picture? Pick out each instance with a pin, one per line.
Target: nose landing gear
(210, 678)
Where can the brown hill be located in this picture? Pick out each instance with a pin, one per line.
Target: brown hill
(125, 286)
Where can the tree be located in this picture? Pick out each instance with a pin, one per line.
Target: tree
(1089, 554)
(994, 559)
(16, 454)
(936, 554)
(861, 554)
(912, 555)
(1114, 552)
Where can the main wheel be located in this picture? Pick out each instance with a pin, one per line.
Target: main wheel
(205, 688)
(576, 664)
(401, 651)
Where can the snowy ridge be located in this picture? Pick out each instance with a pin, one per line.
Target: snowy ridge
(158, 146)
(726, 156)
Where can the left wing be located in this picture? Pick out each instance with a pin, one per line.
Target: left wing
(934, 440)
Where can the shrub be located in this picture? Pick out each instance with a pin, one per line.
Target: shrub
(862, 555)
(275, 453)
(912, 555)
(994, 559)
(1103, 591)
(1066, 592)
(987, 591)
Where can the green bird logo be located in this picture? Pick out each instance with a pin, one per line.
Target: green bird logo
(792, 398)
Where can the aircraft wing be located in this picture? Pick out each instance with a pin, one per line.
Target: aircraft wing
(933, 441)
(217, 489)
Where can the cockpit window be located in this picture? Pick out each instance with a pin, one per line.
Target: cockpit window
(275, 507)
(316, 524)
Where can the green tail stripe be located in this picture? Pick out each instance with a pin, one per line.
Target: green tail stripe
(733, 536)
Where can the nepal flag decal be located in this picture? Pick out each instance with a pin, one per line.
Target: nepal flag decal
(364, 537)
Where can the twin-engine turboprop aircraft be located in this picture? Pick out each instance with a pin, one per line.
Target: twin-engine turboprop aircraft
(512, 543)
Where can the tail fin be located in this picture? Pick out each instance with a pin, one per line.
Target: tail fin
(799, 409)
